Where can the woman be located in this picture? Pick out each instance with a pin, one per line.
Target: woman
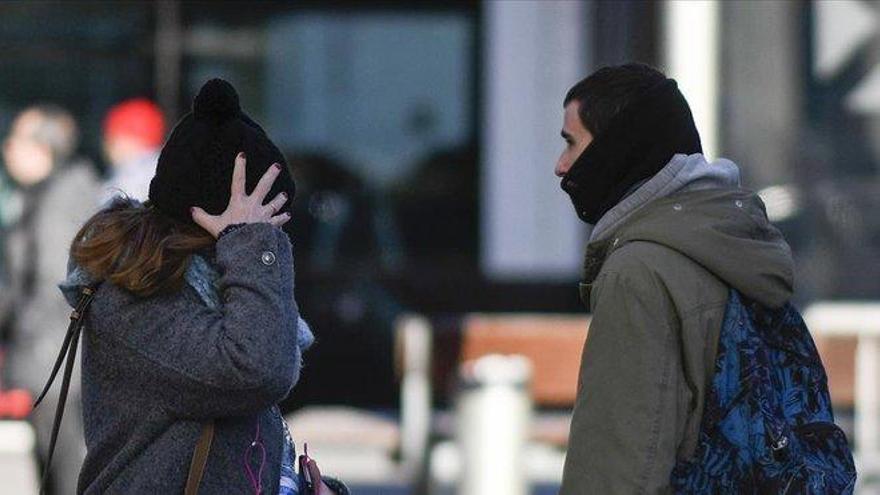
(193, 322)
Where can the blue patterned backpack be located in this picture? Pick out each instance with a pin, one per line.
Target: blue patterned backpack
(767, 426)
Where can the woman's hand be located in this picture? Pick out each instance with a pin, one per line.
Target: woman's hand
(245, 208)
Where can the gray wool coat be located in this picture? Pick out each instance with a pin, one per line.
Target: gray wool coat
(155, 369)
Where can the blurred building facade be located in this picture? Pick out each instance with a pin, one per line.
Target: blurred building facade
(424, 135)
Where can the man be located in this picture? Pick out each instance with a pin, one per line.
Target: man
(133, 134)
(672, 234)
(54, 193)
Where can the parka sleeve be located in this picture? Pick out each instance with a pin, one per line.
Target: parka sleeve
(203, 363)
(623, 432)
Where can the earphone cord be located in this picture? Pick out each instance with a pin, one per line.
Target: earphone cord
(256, 481)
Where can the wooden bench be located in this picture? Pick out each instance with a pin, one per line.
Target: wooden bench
(553, 344)
(847, 335)
(838, 355)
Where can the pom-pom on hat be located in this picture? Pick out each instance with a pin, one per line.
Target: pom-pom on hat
(217, 101)
(195, 166)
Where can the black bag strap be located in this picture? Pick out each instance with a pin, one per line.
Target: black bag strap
(68, 352)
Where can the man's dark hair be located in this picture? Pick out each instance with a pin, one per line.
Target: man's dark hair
(606, 92)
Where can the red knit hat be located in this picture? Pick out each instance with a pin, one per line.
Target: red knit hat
(139, 118)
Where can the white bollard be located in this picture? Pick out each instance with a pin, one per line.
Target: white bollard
(18, 465)
(493, 414)
(867, 406)
(415, 396)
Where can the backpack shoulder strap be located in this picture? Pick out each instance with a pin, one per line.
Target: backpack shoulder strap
(199, 459)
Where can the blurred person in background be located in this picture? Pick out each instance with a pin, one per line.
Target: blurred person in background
(671, 234)
(6, 219)
(133, 135)
(54, 192)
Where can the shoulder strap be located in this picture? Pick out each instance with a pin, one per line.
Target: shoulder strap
(199, 459)
(68, 352)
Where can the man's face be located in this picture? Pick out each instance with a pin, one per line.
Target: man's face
(576, 137)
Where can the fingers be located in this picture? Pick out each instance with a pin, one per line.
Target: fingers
(204, 220)
(275, 205)
(279, 220)
(266, 182)
(238, 175)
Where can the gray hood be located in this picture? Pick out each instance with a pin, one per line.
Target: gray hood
(696, 208)
(682, 173)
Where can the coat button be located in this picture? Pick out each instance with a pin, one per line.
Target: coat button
(268, 258)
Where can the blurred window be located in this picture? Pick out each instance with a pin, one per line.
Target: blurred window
(374, 107)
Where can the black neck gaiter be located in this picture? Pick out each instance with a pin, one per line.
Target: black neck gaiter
(637, 144)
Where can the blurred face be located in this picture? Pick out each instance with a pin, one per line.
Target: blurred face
(27, 161)
(576, 137)
(122, 151)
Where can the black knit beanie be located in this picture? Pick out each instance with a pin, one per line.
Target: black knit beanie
(196, 163)
(637, 144)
